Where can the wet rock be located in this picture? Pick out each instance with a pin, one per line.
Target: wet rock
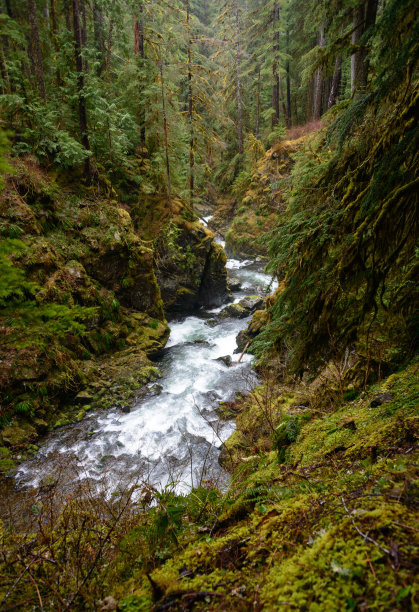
(192, 268)
(156, 390)
(235, 311)
(214, 290)
(41, 425)
(226, 359)
(252, 303)
(381, 398)
(234, 284)
(83, 397)
(108, 604)
(243, 308)
(126, 409)
(242, 339)
(211, 322)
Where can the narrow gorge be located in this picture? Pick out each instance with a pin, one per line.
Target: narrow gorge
(209, 224)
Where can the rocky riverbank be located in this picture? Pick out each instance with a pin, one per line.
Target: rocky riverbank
(106, 276)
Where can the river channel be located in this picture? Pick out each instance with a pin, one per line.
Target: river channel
(174, 434)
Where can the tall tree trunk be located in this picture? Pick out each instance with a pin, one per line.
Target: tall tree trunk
(84, 34)
(139, 50)
(54, 35)
(289, 113)
(4, 50)
(334, 89)
(46, 14)
(356, 61)
(275, 68)
(364, 17)
(190, 110)
(318, 82)
(309, 101)
(109, 49)
(36, 49)
(257, 129)
(3, 70)
(238, 81)
(67, 13)
(78, 48)
(166, 139)
(9, 9)
(99, 36)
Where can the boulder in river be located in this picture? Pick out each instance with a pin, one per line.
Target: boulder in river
(234, 284)
(235, 311)
(252, 303)
(243, 308)
(226, 359)
(191, 269)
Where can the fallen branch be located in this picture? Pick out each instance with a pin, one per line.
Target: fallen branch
(363, 535)
(244, 350)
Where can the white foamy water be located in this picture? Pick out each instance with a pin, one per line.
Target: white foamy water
(174, 434)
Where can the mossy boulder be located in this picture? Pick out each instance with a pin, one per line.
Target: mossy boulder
(243, 308)
(235, 311)
(6, 460)
(190, 266)
(17, 435)
(193, 274)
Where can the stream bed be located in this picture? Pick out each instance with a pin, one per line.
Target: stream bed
(174, 434)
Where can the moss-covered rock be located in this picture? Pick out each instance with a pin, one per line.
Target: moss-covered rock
(190, 266)
(81, 251)
(18, 435)
(243, 308)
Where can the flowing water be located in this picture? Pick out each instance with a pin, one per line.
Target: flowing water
(174, 434)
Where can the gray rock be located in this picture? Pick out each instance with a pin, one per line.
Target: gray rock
(211, 322)
(234, 284)
(242, 339)
(226, 359)
(252, 303)
(381, 398)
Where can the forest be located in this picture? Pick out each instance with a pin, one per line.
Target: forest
(209, 305)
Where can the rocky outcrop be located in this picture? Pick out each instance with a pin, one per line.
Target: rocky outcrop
(242, 309)
(77, 251)
(192, 273)
(259, 319)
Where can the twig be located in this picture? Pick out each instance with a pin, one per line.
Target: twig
(409, 527)
(41, 603)
(364, 535)
(372, 568)
(23, 572)
(99, 552)
(57, 595)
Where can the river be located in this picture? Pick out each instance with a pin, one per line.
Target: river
(172, 437)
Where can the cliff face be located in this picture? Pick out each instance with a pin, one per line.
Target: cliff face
(95, 279)
(190, 266)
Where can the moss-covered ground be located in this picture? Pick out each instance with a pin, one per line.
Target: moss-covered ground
(320, 514)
